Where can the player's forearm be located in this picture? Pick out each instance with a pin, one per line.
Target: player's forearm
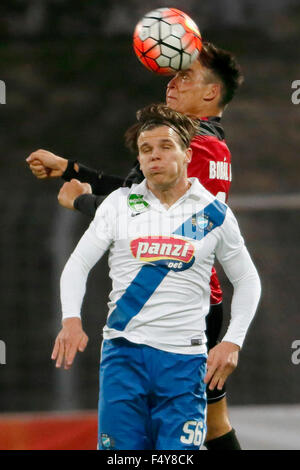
(246, 295)
(102, 185)
(72, 288)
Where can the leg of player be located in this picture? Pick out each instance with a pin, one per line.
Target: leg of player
(123, 404)
(220, 435)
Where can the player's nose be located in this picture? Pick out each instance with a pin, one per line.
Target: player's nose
(155, 155)
(172, 83)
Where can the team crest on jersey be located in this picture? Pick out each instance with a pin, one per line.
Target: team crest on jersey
(137, 203)
(202, 221)
(174, 253)
(106, 441)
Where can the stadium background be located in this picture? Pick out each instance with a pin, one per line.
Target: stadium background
(73, 86)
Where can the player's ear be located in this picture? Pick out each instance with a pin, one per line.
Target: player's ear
(212, 91)
(189, 154)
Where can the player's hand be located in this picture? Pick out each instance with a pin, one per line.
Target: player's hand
(70, 191)
(69, 340)
(44, 164)
(221, 362)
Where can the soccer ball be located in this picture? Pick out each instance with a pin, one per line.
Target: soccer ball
(166, 40)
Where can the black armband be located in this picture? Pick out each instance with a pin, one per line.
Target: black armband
(84, 174)
(70, 171)
(87, 204)
(101, 184)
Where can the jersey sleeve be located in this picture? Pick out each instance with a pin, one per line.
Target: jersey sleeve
(240, 270)
(230, 241)
(91, 247)
(211, 164)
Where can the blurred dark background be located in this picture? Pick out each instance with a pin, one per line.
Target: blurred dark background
(73, 86)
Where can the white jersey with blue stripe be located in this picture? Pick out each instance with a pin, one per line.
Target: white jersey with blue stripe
(160, 263)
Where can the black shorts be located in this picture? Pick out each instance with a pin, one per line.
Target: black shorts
(214, 322)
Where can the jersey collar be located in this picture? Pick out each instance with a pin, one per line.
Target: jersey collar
(194, 192)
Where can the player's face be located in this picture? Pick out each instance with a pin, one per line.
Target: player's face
(162, 159)
(189, 91)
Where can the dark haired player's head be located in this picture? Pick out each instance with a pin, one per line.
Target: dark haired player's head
(157, 115)
(221, 66)
(208, 85)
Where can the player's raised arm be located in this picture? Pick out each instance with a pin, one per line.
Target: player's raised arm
(45, 164)
(77, 195)
(70, 191)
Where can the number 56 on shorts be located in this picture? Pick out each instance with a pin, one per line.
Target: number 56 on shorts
(194, 433)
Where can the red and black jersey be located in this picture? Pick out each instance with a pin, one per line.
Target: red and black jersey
(211, 164)
(211, 159)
